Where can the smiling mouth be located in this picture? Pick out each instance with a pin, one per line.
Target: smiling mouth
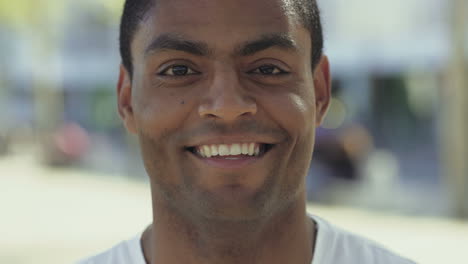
(230, 151)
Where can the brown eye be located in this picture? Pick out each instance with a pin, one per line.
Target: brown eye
(268, 70)
(178, 70)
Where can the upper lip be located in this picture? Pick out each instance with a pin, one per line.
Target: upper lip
(233, 139)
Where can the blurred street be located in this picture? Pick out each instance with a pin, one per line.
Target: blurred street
(60, 215)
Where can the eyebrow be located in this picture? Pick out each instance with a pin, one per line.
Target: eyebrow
(282, 41)
(177, 42)
(171, 41)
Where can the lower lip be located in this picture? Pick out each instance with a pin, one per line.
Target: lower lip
(229, 162)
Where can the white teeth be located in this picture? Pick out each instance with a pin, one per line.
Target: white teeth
(257, 150)
(223, 150)
(208, 151)
(235, 149)
(201, 151)
(214, 150)
(245, 148)
(251, 149)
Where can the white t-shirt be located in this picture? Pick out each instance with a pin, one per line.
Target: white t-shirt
(333, 246)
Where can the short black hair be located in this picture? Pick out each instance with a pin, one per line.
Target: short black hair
(134, 11)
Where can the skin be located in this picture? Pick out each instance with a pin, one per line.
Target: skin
(202, 213)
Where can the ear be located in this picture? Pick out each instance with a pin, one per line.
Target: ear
(322, 86)
(124, 99)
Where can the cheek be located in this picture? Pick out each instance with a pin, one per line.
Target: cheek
(303, 125)
(159, 110)
(296, 115)
(157, 162)
(304, 107)
(295, 112)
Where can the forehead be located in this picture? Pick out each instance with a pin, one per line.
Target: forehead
(186, 12)
(218, 22)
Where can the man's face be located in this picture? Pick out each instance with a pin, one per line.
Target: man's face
(224, 104)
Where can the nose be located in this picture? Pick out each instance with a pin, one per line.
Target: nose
(226, 99)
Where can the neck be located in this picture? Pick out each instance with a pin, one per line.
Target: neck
(284, 237)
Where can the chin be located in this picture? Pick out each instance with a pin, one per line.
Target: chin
(239, 205)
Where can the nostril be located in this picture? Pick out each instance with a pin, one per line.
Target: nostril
(209, 115)
(226, 114)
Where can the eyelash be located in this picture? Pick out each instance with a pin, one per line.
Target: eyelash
(189, 70)
(276, 71)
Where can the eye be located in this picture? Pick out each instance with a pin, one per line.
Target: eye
(268, 70)
(178, 70)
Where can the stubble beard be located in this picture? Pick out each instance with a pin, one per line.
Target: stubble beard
(197, 205)
(209, 224)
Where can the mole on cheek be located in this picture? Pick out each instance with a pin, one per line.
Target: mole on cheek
(182, 102)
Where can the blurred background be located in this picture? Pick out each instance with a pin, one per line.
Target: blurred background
(391, 161)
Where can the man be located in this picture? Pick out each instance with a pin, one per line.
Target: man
(224, 97)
